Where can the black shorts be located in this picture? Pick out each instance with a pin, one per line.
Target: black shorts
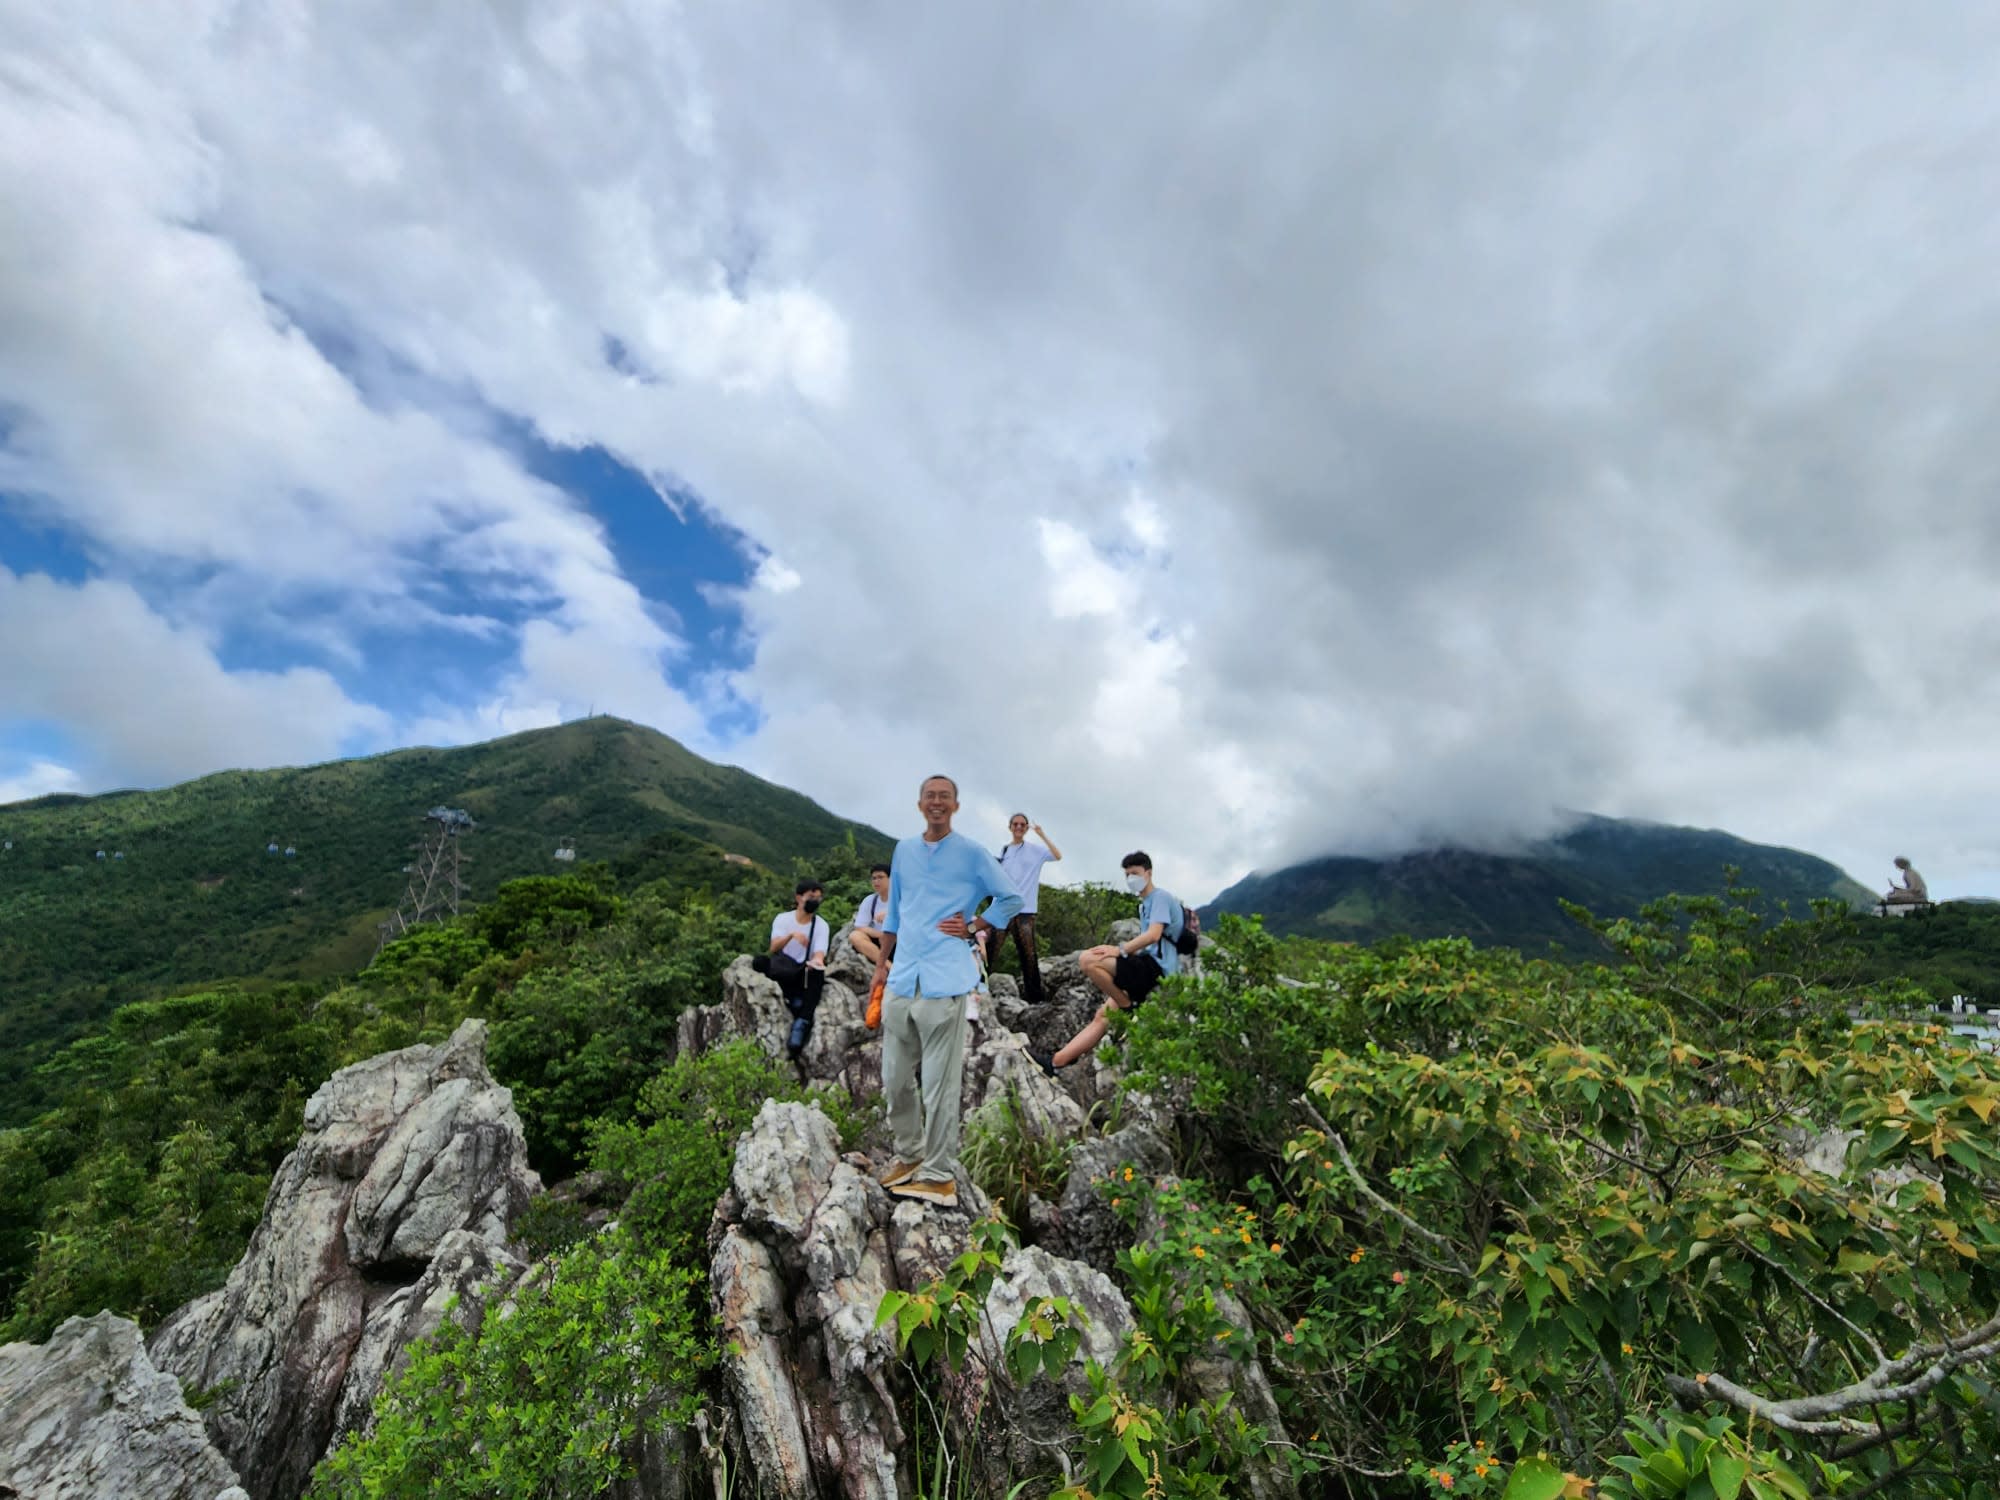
(1136, 974)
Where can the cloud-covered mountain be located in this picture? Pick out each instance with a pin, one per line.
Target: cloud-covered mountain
(1610, 865)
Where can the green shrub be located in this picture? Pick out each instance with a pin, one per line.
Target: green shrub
(555, 1398)
(576, 1041)
(674, 1161)
(545, 910)
(1010, 1161)
(138, 1192)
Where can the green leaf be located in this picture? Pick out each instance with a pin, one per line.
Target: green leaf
(1534, 1479)
(1727, 1473)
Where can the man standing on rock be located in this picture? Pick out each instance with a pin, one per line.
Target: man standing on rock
(1023, 863)
(928, 969)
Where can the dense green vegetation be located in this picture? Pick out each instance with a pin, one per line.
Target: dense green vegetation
(1952, 949)
(1609, 865)
(137, 1188)
(1493, 1224)
(1500, 1226)
(196, 900)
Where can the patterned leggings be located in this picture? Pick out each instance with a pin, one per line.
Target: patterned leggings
(1023, 928)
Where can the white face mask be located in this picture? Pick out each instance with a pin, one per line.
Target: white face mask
(1135, 883)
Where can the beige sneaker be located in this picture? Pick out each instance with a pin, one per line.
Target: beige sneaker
(899, 1171)
(943, 1194)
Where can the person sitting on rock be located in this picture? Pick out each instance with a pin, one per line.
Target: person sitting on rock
(927, 971)
(797, 959)
(866, 938)
(1912, 892)
(1126, 972)
(1023, 863)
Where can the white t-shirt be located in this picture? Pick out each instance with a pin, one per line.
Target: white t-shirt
(788, 922)
(1022, 864)
(873, 909)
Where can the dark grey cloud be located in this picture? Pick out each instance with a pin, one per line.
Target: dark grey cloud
(1798, 686)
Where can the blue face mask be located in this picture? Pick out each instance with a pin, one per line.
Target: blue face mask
(1135, 883)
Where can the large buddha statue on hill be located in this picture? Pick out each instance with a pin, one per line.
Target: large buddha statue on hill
(1912, 891)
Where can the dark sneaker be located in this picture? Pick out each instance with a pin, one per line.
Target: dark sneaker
(942, 1194)
(1044, 1059)
(899, 1171)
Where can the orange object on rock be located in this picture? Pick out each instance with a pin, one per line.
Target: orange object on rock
(872, 1017)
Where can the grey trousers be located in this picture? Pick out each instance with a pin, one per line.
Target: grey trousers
(926, 1030)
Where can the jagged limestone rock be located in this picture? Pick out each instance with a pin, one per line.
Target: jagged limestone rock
(87, 1415)
(1036, 1434)
(398, 1154)
(1087, 1226)
(844, 1052)
(466, 1275)
(806, 1245)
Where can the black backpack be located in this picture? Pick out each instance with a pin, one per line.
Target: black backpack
(1187, 942)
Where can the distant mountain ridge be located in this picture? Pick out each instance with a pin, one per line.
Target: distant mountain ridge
(1611, 865)
(196, 899)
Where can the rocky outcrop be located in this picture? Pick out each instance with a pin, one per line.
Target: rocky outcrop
(461, 1279)
(87, 1415)
(806, 1244)
(410, 1169)
(1084, 1225)
(844, 1052)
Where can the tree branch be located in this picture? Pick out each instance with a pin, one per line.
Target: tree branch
(1915, 1375)
(1361, 1184)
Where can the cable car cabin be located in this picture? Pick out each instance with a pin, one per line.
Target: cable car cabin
(271, 848)
(566, 851)
(291, 852)
(100, 854)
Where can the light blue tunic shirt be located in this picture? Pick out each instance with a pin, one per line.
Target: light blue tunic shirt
(927, 883)
(1161, 907)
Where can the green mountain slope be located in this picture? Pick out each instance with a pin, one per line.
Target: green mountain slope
(1611, 865)
(197, 899)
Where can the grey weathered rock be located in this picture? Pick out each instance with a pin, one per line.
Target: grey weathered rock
(1088, 1227)
(844, 1052)
(87, 1415)
(465, 1276)
(811, 1246)
(1244, 1381)
(848, 966)
(399, 1154)
(1035, 1433)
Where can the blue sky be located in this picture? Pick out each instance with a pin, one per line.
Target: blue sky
(1350, 431)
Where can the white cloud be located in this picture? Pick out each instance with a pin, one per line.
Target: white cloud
(1354, 429)
(157, 702)
(38, 779)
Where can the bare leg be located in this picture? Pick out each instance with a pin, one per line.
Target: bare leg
(866, 944)
(1091, 1034)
